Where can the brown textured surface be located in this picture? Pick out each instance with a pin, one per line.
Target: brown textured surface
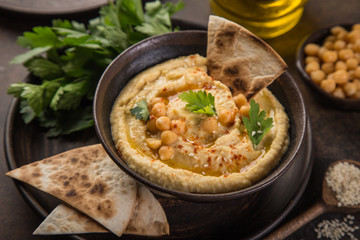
(335, 134)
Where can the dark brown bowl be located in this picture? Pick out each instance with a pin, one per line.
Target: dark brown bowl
(159, 49)
(318, 37)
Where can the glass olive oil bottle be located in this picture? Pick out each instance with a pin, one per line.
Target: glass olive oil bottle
(264, 18)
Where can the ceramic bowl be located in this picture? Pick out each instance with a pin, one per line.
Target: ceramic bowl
(318, 37)
(158, 49)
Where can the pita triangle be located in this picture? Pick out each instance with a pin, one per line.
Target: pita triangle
(88, 180)
(239, 59)
(149, 219)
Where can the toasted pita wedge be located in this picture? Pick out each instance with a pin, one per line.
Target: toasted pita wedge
(87, 179)
(148, 219)
(239, 59)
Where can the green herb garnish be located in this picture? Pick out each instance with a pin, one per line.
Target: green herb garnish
(199, 102)
(69, 57)
(257, 126)
(140, 111)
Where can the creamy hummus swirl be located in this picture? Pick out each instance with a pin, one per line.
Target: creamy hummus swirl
(206, 162)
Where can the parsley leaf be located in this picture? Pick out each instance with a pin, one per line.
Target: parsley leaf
(140, 111)
(256, 125)
(69, 57)
(199, 102)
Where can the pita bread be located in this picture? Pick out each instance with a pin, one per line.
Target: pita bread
(149, 219)
(87, 179)
(239, 59)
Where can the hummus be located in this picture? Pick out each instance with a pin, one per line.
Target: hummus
(222, 160)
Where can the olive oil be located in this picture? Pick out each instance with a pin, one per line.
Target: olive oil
(264, 18)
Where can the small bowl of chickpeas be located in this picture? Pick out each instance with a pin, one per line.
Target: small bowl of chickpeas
(329, 61)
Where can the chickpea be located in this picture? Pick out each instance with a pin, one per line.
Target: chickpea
(340, 65)
(328, 85)
(353, 36)
(341, 35)
(240, 100)
(151, 124)
(163, 123)
(356, 26)
(309, 59)
(345, 54)
(327, 67)
(322, 50)
(153, 143)
(244, 110)
(226, 117)
(341, 76)
(356, 46)
(311, 49)
(166, 153)
(337, 30)
(168, 137)
(357, 84)
(351, 74)
(159, 109)
(357, 72)
(339, 44)
(155, 100)
(209, 124)
(178, 126)
(329, 56)
(331, 38)
(328, 45)
(352, 63)
(339, 93)
(312, 67)
(317, 76)
(350, 89)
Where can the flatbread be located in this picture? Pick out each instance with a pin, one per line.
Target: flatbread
(239, 59)
(88, 180)
(149, 219)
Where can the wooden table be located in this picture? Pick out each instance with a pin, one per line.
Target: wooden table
(336, 133)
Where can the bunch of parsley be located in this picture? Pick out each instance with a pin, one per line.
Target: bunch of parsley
(68, 59)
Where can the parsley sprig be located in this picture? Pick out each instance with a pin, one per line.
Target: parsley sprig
(199, 102)
(257, 125)
(140, 111)
(69, 57)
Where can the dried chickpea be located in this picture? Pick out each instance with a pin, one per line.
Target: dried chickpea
(357, 84)
(244, 110)
(166, 153)
(328, 45)
(153, 143)
(226, 117)
(163, 123)
(159, 109)
(322, 50)
(345, 54)
(331, 38)
(341, 76)
(342, 35)
(311, 49)
(317, 76)
(336, 30)
(356, 46)
(351, 74)
(353, 36)
(240, 100)
(328, 85)
(338, 92)
(352, 63)
(151, 124)
(340, 65)
(357, 56)
(312, 66)
(329, 56)
(339, 44)
(357, 72)
(209, 124)
(309, 59)
(168, 137)
(350, 89)
(327, 67)
(178, 126)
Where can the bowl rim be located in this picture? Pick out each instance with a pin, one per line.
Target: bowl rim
(191, 196)
(318, 37)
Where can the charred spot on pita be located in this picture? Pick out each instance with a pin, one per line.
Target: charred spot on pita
(240, 85)
(231, 70)
(71, 193)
